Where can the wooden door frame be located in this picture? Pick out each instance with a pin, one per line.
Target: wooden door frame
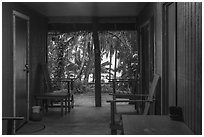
(22, 16)
(141, 52)
(165, 55)
(147, 23)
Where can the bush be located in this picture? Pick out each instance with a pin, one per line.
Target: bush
(81, 87)
(106, 88)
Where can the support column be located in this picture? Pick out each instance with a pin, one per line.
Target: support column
(97, 65)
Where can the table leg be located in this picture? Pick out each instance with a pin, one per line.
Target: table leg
(46, 105)
(42, 104)
(69, 106)
(65, 105)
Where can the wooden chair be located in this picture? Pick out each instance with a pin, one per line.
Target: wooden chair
(52, 95)
(130, 98)
(10, 124)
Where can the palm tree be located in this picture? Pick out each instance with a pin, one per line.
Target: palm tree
(74, 53)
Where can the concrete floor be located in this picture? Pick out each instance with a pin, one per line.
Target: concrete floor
(84, 119)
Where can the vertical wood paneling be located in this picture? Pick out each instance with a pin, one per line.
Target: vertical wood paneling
(180, 50)
(187, 43)
(193, 68)
(7, 83)
(190, 64)
(38, 29)
(199, 69)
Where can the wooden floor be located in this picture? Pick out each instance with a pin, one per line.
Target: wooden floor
(153, 125)
(84, 119)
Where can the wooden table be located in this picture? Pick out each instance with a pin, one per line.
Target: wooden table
(55, 96)
(153, 125)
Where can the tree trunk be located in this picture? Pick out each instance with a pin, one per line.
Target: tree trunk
(97, 65)
(60, 65)
(110, 65)
(115, 64)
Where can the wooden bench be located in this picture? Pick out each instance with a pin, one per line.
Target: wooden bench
(130, 98)
(43, 101)
(10, 124)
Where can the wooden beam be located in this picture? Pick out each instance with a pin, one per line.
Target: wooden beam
(71, 27)
(97, 64)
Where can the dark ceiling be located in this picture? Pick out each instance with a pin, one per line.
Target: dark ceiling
(87, 9)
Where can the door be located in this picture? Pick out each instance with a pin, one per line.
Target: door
(20, 66)
(171, 46)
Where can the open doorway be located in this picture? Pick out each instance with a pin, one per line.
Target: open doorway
(71, 55)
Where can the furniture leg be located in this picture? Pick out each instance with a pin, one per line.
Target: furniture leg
(65, 106)
(61, 106)
(43, 107)
(113, 131)
(46, 105)
(69, 107)
(72, 100)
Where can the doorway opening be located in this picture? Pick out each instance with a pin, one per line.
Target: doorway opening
(71, 55)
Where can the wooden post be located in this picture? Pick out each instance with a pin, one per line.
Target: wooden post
(97, 65)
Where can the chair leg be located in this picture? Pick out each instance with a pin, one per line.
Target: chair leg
(66, 106)
(69, 106)
(62, 107)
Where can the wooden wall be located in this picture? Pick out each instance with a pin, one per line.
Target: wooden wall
(154, 11)
(189, 59)
(38, 33)
(189, 63)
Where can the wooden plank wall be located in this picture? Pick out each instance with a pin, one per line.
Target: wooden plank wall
(154, 11)
(38, 30)
(189, 57)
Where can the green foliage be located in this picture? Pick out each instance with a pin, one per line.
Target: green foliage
(84, 87)
(72, 54)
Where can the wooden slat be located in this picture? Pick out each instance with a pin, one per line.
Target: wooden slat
(190, 64)
(133, 101)
(12, 118)
(180, 57)
(199, 59)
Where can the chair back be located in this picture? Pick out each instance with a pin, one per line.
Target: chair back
(152, 89)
